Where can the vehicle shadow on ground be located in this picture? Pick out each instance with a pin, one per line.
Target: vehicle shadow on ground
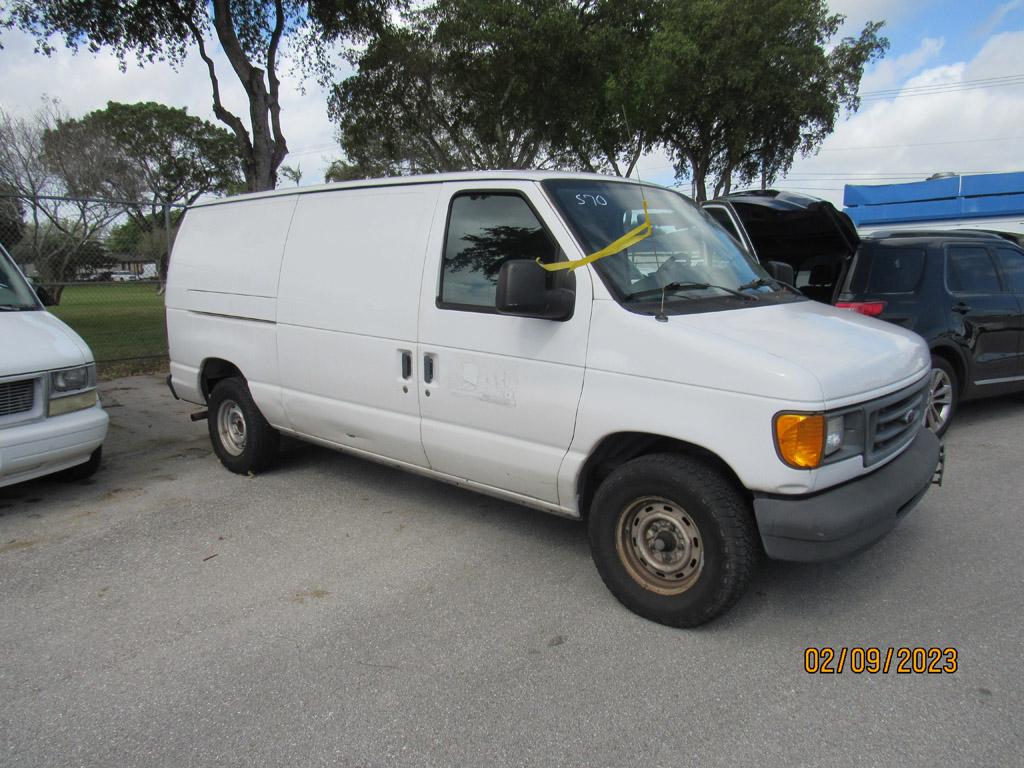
(429, 496)
(806, 591)
(980, 413)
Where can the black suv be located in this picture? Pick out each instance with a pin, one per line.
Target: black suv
(962, 290)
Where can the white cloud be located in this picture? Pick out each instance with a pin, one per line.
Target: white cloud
(889, 72)
(996, 18)
(85, 81)
(858, 12)
(964, 131)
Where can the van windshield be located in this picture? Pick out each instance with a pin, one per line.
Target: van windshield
(688, 261)
(15, 294)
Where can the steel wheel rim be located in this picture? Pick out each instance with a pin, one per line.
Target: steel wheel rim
(231, 427)
(660, 545)
(940, 400)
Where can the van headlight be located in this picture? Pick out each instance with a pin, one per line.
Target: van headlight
(803, 440)
(72, 389)
(833, 434)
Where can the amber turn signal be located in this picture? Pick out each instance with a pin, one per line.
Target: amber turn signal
(800, 439)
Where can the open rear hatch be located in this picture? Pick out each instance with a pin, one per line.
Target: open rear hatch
(809, 234)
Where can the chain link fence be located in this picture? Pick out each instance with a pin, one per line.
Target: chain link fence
(102, 264)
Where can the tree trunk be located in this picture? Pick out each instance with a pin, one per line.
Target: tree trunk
(264, 150)
(699, 174)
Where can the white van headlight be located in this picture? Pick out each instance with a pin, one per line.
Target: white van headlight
(73, 379)
(72, 389)
(834, 434)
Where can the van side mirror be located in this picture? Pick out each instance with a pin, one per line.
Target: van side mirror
(522, 290)
(781, 271)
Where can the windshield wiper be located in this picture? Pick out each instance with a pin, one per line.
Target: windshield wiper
(689, 287)
(13, 308)
(760, 282)
(765, 281)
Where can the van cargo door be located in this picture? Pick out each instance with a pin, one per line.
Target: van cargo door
(347, 309)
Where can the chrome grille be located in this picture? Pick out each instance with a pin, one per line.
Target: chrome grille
(17, 396)
(893, 421)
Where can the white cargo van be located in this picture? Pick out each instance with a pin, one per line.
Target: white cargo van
(50, 417)
(669, 391)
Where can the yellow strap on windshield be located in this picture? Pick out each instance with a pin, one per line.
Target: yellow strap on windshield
(628, 240)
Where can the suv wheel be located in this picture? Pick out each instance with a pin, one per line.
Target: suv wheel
(673, 538)
(942, 396)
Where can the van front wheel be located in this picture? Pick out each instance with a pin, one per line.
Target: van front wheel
(673, 538)
(242, 439)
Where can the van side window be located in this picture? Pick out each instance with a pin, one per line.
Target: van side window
(1011, 262)
(969, 269)
(484, 231)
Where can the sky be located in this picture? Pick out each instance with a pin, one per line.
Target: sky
(931, 105)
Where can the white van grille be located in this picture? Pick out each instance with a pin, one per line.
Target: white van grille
(893, 421)
(17, 397)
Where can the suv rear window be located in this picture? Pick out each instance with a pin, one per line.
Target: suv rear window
(896, 270)
(887, 270)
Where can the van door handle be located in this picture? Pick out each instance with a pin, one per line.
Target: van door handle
(962, 307)
(428, 368)
(407, 365)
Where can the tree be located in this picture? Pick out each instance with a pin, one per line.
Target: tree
(293, 175)
(150, 156)
(476, 84)
(748, 83)
(12, 217)
(251, 34)
(157, 154)
(44, 174)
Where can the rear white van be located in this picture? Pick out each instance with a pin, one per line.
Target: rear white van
(580, 344)
(50, 417)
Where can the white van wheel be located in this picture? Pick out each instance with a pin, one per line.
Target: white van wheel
(660, 545)
(673, 538)
(242, 439)
(231, 427)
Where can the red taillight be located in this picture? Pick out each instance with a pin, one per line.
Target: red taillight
(870, 308)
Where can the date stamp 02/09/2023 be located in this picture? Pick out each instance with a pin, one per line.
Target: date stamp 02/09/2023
(903, 660)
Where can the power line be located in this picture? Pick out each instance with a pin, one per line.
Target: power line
(956, 87)
(931, 86)
(920, 144)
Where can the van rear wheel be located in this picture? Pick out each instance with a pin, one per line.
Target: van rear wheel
(242, 439)
(673, 538)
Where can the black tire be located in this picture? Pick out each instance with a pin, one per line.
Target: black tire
(83, 471)
(700, 495)
(248, 444)
(937, 422)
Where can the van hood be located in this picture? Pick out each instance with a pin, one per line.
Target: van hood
(803, 351)
(36, 341)
(849, 354)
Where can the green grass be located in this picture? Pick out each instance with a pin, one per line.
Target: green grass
(119, 322)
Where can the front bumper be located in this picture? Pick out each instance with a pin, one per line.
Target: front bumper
(848, 518)
(50, 445)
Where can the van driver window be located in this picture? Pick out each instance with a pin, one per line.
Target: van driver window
(484, 231)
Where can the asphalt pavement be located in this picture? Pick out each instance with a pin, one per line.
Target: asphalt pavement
(334, 612)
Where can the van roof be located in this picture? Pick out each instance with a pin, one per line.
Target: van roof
(432, 178)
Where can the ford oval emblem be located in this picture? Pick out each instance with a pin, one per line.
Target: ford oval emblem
(910, 416)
